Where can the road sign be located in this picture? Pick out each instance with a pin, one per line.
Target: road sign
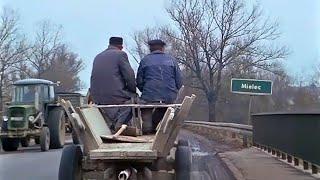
(251, 86)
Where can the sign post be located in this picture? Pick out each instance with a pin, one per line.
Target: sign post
(252, 87)
(249, 110)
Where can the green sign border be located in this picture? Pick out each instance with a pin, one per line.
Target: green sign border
(249, 93)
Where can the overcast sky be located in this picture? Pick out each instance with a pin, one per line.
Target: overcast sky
(87, 25)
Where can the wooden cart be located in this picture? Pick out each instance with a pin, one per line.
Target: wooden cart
(101, 156)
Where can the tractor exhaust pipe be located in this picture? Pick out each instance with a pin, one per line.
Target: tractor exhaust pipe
(125, 174)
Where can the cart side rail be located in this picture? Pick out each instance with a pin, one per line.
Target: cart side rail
(88, 123)
(170, 127)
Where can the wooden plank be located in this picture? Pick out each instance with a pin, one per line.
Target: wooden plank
(124, 151)
(161, 135)
(139, 121)
(126, 146)
(88, 139)
(67, 109)
(180, 95)
(130, 131)
(138, 105)
(95, 127)
(135, 121)
(174, 128)
(124, 156)
(120, 138)
(178, 123)
(78, 126)
(96, 121)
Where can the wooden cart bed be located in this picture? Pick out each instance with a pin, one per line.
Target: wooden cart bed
(92, 129)
(139, 148)
(124, 151)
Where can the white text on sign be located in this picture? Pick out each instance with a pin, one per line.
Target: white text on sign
(251, 86)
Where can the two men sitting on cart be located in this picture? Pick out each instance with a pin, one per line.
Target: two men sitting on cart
(113, 82)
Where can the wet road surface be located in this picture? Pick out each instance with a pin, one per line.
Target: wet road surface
(206, 165)
(32, 164)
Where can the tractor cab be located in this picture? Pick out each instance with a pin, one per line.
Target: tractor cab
(28, 100)
(33, 91)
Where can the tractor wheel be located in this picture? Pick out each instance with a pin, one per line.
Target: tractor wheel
(25, 142)
(8, 144)
(56, 124)
(70, 163)
(37, 140)
(44, 138)
(183, 160)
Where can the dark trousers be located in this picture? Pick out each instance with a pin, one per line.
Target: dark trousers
(151, 117)
(115, 117)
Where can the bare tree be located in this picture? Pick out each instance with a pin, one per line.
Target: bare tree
(23, 69)
(12, 49)
(211, 35)
(141, 38)
(65, 68)
(43, 51)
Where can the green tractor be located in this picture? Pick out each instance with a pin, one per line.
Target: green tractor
(34, 112)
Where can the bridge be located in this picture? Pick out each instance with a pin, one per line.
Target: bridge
(277, 146)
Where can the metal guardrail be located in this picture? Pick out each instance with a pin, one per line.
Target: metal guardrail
(291, 136)
(285, 136)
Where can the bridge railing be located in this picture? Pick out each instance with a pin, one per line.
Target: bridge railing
(293, 137)
(230, 132)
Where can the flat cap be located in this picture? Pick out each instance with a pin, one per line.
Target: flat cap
(116, 40)
(156, 42)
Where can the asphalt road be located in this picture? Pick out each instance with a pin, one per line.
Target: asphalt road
(206, 165)
(32, 164)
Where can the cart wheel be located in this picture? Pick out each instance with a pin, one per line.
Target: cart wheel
(183, 159)
(44, 139)
(183, 142)
(25, 142)
(75, 139)
(56, 123)
(147, 173)
(8, 144)
(70, 164)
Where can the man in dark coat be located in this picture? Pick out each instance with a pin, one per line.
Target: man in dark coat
(159, 79)
(113, 81)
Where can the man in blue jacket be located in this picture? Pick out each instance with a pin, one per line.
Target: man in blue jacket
(159, 79)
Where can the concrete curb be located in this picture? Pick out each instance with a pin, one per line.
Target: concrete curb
(292, 164)
(238, 137)
(235, 171)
